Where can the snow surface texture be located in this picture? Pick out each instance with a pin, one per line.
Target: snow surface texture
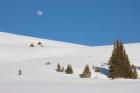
(38, 77)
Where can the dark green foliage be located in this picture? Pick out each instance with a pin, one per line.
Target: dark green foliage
(19, 72)
(86, 72)
(62, 70)
(39, 43)
(119, 64)
(58, 68)
(134, 72)
(32, 45)
(69, 69)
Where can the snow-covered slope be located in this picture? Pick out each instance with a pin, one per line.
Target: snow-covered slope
(16, 54)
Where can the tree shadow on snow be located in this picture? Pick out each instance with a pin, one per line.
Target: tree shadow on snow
(104, 71)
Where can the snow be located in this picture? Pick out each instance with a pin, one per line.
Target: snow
(37, 77)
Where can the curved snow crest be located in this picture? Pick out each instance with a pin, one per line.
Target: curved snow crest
(15, 55)
(14, 39)
(16, 48)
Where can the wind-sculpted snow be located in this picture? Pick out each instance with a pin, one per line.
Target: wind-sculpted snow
(40, 77)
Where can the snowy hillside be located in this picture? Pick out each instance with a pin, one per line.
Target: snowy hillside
(39, 77)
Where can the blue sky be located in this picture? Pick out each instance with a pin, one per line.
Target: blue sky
(89, 22)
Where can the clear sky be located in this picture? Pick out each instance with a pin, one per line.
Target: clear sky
(89, 22)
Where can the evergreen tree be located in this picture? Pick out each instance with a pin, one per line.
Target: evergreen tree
(32, 45)
(19, 72)
(39, 43)
(119, 64)
(62, 70)
(58, 68)
(86, 72)
(134, 72)
(69, 69)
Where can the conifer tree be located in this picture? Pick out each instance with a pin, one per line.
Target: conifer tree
(86, 72)
(62, 70)
(134, 72)
(69, 69)
(19, 72)
(32, 45)
(58, 68)
(39, 43)
(119, 64)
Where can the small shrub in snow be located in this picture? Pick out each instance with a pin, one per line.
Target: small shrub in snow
(32, 45)
(39, 43)
(58, 69)
(19, 72)
(97, 69)
(86, 72)
(62, 70)
(48, 63)
(69, 69)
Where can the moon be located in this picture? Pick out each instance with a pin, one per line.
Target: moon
(39, 13)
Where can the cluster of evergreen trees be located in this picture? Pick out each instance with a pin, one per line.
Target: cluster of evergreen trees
(86, 72)
(68, 70)
(39, 44)
(119, 64)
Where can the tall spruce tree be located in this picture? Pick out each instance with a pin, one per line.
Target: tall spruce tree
(119, 64)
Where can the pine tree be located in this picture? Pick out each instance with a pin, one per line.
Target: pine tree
(19, 72)
(39, 43)
(86, 72)
(69, 69)
(119, 64)
(32, 45)
(62, 70)
(58, 68)
(134, 72)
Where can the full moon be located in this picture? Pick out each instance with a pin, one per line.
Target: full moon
(39, 13)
